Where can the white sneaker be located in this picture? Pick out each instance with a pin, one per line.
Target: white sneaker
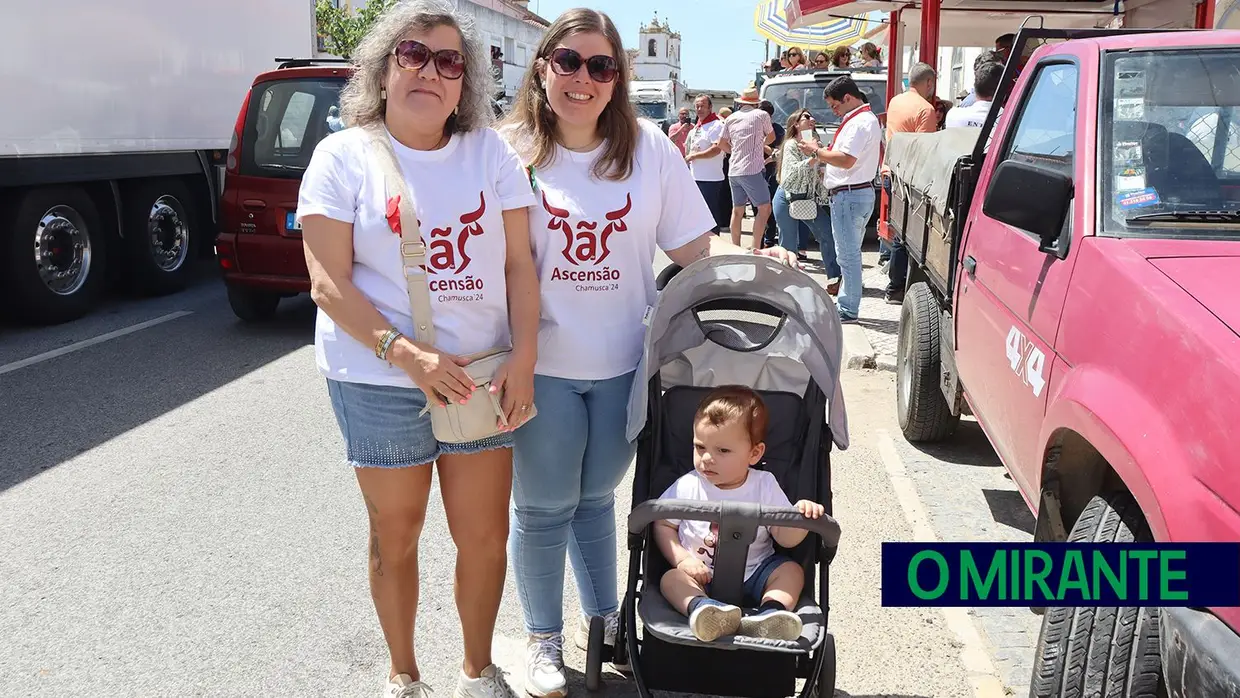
(611, 622)
(491, 683)
(402, 686)
(772, 625)
(712, 620)
(544, 666)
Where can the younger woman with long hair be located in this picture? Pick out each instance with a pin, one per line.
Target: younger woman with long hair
(610, 190)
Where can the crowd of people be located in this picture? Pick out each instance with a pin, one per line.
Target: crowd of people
(801, 183)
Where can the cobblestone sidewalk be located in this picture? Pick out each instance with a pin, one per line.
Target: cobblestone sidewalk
(879, 320)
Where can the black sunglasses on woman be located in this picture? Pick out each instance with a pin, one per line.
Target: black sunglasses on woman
(565, 61)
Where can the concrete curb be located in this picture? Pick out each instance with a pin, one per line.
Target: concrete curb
(858, 352)
(885, 362)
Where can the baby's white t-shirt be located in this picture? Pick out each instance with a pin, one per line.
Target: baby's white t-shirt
(594, 243)
(700, 537)
(459, 193)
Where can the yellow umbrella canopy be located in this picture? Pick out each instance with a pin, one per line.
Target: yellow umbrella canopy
(771, 23)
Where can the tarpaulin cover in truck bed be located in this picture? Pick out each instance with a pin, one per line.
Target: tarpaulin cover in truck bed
(925, 161)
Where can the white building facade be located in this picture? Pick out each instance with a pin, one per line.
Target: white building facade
(510, 30)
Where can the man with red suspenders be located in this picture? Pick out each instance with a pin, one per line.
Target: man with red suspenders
(852, 161)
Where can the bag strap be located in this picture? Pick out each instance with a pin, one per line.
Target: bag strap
(412, 249)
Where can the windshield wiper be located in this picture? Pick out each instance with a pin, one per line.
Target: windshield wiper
(1189, 216)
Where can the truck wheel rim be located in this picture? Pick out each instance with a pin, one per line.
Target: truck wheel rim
(62, 251)
(904, 363)
(168, 233)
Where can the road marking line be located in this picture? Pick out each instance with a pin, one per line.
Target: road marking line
(983, 675)
(76, 346)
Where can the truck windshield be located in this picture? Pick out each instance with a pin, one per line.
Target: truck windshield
(791, 96)
(1170, 143)
(655, 111)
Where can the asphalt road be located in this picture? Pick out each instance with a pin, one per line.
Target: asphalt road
(177, 520)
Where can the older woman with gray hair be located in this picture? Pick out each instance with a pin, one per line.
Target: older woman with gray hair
(421, 84)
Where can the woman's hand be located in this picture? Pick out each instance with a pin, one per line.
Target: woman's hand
(514, 383)
(437, 373)
(807, 147)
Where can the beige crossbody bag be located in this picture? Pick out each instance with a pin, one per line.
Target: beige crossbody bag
(483, 415)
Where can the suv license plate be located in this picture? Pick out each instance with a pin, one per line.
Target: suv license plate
(291, 222)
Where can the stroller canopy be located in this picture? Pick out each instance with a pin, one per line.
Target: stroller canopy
(732, 344)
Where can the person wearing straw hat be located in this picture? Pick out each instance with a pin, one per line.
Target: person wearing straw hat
(746, 134)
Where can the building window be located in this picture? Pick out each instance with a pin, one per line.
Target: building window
(652, 50)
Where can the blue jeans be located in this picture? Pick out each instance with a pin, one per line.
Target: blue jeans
(790, 232)
(850, 211)
(567, 463)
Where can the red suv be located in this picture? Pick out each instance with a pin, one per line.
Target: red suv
(284, 116)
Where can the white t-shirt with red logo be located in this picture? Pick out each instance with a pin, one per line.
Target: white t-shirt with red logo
(701, 538)
(459, 193)
(594, 243)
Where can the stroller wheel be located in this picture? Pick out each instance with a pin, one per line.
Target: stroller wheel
(594, 655)
(826, 676)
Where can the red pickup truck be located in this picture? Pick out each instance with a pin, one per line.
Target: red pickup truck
(1074, 284)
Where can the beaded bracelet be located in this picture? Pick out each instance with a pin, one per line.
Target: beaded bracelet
(385, 343)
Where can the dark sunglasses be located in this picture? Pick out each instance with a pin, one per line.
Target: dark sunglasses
(565, 61)
(414, 55)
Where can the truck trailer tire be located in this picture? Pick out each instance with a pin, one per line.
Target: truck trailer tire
(1102, 651)
(923, 411)
(53, 262)
(159, 235)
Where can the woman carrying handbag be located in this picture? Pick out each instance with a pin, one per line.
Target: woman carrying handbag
(416, 232)
(802, 198)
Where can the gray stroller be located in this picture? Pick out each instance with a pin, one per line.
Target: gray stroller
(748, 320)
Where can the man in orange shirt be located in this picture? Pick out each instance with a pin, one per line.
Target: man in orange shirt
(909, 111)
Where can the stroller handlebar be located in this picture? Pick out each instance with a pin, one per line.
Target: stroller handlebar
(754, 515)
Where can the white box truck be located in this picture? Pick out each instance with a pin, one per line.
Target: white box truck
(116, 120)
(657, 100)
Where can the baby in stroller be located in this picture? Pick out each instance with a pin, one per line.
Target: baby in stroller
(729, 430)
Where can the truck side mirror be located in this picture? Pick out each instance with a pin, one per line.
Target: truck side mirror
(1031, 198)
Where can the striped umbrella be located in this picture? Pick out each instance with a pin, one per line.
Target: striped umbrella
(770, 21)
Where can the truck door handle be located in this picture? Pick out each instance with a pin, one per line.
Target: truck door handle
(254, 204)
(970, 266)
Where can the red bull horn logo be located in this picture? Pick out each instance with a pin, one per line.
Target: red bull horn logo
(584, 246)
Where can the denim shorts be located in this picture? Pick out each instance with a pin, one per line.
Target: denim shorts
(756, 584)
(382, 429)
(750, 189)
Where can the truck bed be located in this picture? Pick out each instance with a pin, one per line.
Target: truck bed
(925, 181)
(137, 75)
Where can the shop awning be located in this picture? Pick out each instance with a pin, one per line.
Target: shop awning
(986, 14)
(981, 28)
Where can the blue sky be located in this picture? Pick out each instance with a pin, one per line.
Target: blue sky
(719, 49)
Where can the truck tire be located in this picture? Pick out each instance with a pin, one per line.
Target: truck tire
(1102, 651)
(160, 231)
(252, 305)
(923, 411)
(53, 265)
